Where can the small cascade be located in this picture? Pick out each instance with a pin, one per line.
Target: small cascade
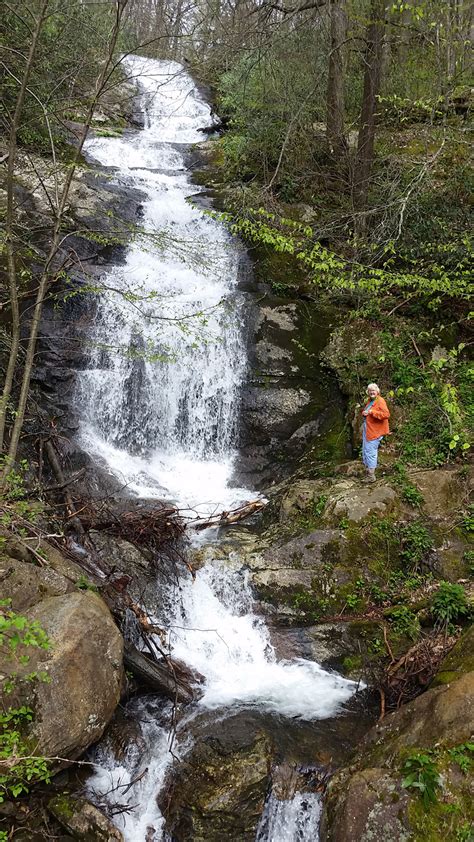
(213, 629)
(293, 820)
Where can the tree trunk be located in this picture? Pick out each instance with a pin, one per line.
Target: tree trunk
(372, 77)
(335, 91)
(9, 223)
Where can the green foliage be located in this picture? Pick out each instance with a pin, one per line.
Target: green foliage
(84, 584)
(313, 513)
(467, 522)
(421, 774)
(403, 622)
(330, 270)
(468, 558)
(71, 47)
(449, 603)
(412, 496)
(463, 755)
(19, 767)
(24, 768)
(409, 492)
(416, 543)
(17, 631)
(264, 96)
(15, 480)
(308, 603)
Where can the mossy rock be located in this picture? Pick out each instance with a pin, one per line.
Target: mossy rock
(219, 789)
(82, 819)
(458, 662)
(367, 801)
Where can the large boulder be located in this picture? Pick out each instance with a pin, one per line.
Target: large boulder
(367, 801)
(219, 791)
(25, 584)
(349, 499)
(443, 490)
(84, 670)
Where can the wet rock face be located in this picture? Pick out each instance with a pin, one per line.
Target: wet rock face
(219, 791)
(84, 669)
(289, 401)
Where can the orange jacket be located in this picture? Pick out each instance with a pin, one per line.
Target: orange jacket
(377, 419)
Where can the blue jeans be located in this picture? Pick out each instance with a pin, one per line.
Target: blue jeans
(370, 450)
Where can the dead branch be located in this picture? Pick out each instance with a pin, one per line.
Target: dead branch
(227, 518)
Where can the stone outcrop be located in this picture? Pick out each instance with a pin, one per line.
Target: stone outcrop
(367, 801)
(289, 402)
(26, 585)
(343, 498)
(350, 500)
(82, 820)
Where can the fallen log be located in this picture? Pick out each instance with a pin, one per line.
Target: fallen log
(168, 676)
(227, 518)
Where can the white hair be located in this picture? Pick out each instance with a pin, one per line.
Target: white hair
(373, 386)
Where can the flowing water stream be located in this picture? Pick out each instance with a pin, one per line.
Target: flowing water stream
(159, 405)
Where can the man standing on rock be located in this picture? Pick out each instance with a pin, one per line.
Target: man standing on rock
(375, 426)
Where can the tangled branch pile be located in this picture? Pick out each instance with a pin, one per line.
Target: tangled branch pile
(153, 530)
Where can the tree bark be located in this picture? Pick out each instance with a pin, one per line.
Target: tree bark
(335, 91)
(372, 78)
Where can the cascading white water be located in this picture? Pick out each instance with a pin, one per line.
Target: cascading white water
(213, 629)
(292, 820)
(159, 399)
(159, 402)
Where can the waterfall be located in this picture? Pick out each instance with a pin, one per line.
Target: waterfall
(159, 397)
(158, 403)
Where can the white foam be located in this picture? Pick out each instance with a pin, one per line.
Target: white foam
(215, 631)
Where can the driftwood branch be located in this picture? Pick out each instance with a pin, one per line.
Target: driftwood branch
(227, 518)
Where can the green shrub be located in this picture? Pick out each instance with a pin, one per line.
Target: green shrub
(19, 768)
(416, 543)
(449, 603)
(412, 496)
(421, 774)
(403, 621)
